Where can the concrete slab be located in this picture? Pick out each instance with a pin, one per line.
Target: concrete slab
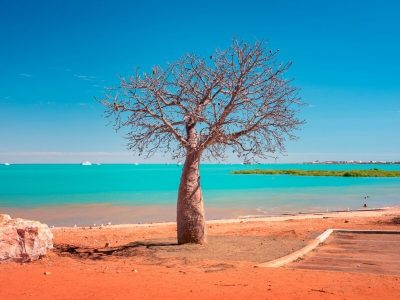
(355, 251)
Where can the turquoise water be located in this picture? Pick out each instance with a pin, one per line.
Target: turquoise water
(32, 186)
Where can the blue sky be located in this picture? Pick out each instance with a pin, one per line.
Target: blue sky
(56, 56)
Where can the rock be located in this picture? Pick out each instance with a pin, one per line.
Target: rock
(4, 219)
(23, 240)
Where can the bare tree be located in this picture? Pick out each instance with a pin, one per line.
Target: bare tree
(195, 108)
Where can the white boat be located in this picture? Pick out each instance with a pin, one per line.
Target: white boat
(136, 164)
(7, 164)
(86, 163)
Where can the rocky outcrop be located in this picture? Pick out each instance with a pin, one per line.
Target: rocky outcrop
(23, 240)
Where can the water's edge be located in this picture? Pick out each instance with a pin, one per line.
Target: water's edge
(75, 194)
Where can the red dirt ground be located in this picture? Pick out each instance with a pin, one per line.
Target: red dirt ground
(114, 277)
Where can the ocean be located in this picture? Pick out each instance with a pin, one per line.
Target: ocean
(69, 194)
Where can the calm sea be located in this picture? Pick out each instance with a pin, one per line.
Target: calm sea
(52, 188)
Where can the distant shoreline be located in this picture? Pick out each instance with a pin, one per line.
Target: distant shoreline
(96, 163)
(352, 162)
(339, 173)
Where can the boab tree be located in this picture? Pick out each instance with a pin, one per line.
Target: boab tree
(194, 108)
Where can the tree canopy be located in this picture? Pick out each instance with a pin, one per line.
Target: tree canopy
(236, 100)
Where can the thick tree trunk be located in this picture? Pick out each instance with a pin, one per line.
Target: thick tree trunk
(190, 210)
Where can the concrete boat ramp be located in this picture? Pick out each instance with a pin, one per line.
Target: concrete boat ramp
(365, 251)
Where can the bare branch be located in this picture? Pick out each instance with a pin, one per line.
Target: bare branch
(239, 99)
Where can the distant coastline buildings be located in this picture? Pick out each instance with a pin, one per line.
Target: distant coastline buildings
(353, 162)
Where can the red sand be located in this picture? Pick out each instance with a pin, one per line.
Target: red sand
(115, 278)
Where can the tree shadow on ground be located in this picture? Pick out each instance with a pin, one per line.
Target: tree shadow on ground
(138, 248)
(149, 252)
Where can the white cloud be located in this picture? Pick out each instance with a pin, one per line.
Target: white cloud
(42, 103)
(61, 153)
(26, 75)
(66, 157)
(85, 77)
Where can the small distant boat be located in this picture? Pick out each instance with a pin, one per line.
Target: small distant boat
(6, 164)
(86, 163)
(136, 164)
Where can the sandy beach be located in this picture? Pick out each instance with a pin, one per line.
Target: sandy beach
(142, 261)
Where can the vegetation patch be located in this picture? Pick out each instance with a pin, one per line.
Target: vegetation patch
(344, 173)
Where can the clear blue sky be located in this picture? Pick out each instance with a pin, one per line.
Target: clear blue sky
(56, 56)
